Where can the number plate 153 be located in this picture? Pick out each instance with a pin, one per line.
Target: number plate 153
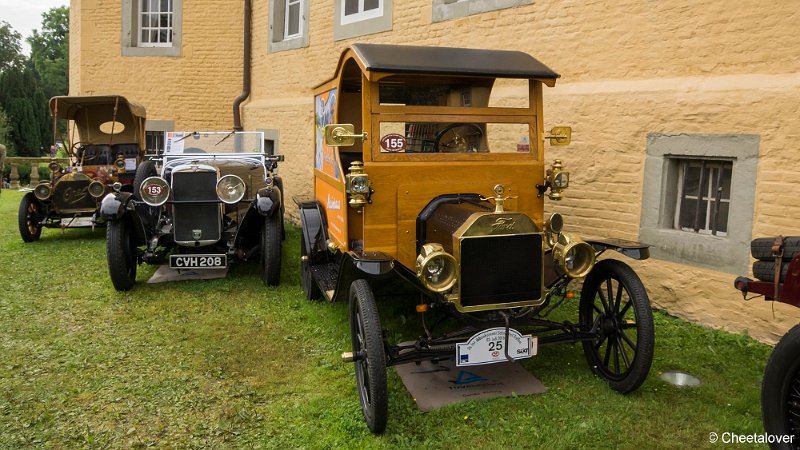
(488, 347)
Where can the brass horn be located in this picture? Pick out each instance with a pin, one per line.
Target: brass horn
(574, 257)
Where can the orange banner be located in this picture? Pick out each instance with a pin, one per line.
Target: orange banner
(333, 200)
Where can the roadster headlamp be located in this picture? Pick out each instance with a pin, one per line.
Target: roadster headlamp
(42, 191)
(54, 166)
(230, 189)
(97, 189)
(436, 269)
(154, 191)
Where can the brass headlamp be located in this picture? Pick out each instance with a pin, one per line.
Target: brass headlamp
(54, 166)
(358, 185)
(556, 179)
(120, 163)
(97, 189)
(574, 257)
(436, 269)
(42, 191)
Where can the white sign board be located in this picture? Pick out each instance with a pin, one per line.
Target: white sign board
(488, 347)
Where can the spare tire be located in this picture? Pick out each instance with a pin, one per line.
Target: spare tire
(761, 248)
(765, 270)
(144, 170)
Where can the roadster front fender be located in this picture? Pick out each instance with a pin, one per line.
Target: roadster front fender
(114, 205)
(268, 200)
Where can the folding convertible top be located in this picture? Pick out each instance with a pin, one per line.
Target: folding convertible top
(90, 113)
(68, 107)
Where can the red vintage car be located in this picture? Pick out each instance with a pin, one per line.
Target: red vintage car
(777, 272)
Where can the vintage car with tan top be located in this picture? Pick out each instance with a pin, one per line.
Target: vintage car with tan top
(430, 178)
(106, 142)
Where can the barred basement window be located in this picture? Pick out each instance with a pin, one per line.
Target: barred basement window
(704, 196)
(683, 216)
(154, 141)
(155, 23)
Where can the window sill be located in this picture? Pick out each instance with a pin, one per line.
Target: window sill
(173, 51)
(288, 44)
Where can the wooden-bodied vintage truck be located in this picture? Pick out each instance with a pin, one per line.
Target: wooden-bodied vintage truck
(430, 178)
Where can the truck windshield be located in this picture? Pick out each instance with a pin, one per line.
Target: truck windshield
(454, 137)
(466, 92)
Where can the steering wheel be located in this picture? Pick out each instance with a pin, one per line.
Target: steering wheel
(76, 147)
(459, 138)
(77, 151)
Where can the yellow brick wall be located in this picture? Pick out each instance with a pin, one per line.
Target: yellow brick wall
(196, 90)
(628, 68)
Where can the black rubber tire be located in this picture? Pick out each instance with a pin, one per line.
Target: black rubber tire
(761, 248)
(370, 359)
(271, 249)
(780, 390)
(630, 310)
(30, 214)
(121, 254)
(765, 270)
(310, 287)
(144, 170)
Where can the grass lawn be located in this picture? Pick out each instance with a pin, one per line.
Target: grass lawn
(231, 363)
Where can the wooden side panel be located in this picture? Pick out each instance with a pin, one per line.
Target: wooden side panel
(330, 193)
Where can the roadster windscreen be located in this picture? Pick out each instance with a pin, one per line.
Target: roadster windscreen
(182, 142)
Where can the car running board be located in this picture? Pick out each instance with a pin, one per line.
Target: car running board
(325, 275)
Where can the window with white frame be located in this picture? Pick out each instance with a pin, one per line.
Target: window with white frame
(293, 26)
(151, 27)
(358, 10)
(698, 199)
(361, 17)
(288, 25)
(155, 23)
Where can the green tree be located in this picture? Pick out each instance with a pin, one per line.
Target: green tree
(50, 51)
(5, 134)
(10, 48)
(24, 102)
